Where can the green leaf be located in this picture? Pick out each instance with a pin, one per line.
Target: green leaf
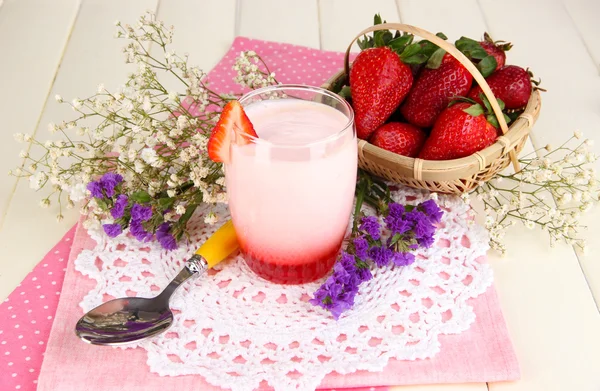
(345, 92)
(395, 239)
(166, 203)
(500, 103)
(507, 118)
(416, 59)
(464, 43)
(378, 39)
(486, 102)
(487, 66)
(141, 197)
(398, 44)
(477, 53)
(475, 110)
(377, 19)
(410, 50)
(387, 37)
(436, 59)
(442, 36)
(493, 120)
(101, 203)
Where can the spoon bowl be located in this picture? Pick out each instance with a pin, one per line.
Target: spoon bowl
(126, 320)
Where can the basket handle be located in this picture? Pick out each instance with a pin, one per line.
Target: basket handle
(457, 54)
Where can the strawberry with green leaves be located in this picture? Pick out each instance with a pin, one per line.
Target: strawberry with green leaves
(461, 130)
(380, 77)
(497, 49)
(441, 80)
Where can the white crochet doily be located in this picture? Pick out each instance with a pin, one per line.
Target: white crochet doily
(238, 330)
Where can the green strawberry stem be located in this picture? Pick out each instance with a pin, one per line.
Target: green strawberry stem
(502, 45)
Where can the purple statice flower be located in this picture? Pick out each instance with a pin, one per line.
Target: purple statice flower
(361, 246)
(331, 297)
(431, 209)
(112, 230)
(397, 224)
(118, 208)
(141, 213)
(109, 181)
(339, 290)
(96, 189)
(137, 230)
(164, 237)
(381, 256)
(363, 273)
(403, 259)
(423, 228)
(370, 225)
(395, 210)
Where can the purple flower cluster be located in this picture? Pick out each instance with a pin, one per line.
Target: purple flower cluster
(164, 237)
(410, 227)
(339, 290)
(105, 186)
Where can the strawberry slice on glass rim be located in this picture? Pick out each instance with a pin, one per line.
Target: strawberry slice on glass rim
(233, 120)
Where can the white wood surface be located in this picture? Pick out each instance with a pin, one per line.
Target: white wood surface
(66, 47)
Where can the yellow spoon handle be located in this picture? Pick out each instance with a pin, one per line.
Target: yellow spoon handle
(220, 245)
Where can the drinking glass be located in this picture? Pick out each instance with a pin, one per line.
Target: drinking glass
(291, 189)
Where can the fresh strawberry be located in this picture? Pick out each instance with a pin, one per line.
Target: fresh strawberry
(233, 120)
(496, 49)
(401, 138)
(511, 84)
(433, 90)
(461, 130)
(379, 82)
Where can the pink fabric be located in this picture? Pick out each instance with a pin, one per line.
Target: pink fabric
(483, 353)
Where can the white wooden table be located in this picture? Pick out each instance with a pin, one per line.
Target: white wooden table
(549, 296)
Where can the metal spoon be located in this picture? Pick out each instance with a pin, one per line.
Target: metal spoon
(130, 319)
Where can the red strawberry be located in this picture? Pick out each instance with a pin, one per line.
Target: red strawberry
(379, 82)
(433, 90)
(233, 119)
(511, 84)
(461, 130)
(495, 49)
(403, 139)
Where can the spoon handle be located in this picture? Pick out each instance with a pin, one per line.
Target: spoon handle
(219, 246)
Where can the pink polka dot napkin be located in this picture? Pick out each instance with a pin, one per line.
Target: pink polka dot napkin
(483, 353)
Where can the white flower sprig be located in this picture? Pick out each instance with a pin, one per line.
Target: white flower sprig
(552, 189)
(152, 138)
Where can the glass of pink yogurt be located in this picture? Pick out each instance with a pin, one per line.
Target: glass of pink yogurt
(291, 190)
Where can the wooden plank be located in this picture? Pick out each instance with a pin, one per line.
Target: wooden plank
(295, 22)
(341, 20)
(584, 14)
(203, 29)
(452, 18)
(92, 56)
(573, 86)
(27, 72)
(548, 305)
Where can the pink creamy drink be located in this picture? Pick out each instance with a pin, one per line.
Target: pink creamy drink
(291, 190)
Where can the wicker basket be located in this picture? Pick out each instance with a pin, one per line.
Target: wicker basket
(455, 176)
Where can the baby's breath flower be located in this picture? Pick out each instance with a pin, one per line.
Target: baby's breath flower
(58, 98)
(577, 134)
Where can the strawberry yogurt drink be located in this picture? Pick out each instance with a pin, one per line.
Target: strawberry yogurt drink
(291, 189)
